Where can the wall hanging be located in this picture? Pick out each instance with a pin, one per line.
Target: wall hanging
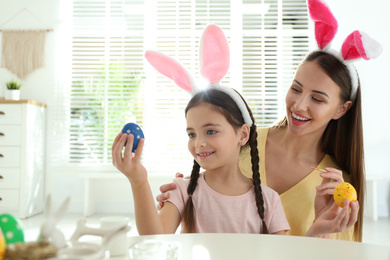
(23, 51)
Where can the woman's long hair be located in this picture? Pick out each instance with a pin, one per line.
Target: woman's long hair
(225, 105)
(343, 138)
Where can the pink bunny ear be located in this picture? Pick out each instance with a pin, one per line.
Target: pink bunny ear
(170, 68)
(325, 23)
(214, 54)
(359, 45)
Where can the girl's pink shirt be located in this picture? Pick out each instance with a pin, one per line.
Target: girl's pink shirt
(218, 213)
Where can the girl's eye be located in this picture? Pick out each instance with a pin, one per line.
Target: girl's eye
(191, 135)
(211, 132)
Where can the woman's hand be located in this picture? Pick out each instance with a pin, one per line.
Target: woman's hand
(335, 220)
(324, 197)
(129, 164)
(164, 196)
(329, 217)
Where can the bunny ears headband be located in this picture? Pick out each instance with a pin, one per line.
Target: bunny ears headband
(214, 63)
(356, 45)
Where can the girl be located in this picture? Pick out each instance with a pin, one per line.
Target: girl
(216, 199)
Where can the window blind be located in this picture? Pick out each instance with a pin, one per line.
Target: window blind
(107, 77)
(111, 84)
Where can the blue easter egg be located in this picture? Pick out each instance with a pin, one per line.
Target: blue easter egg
(135, 130)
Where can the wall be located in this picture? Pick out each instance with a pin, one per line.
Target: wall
(367, 16)
(38, 85)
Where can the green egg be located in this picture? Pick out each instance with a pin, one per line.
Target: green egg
(12, 229)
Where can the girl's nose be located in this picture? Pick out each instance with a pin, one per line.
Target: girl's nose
(200, 142)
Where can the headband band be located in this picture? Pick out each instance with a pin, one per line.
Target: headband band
(351, 71)
(239, 102)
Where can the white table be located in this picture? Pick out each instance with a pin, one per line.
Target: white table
(256, 246)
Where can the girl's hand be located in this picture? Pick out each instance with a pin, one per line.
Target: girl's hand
(164, 196)
(129, 164)
(324, 197)
(335, 220)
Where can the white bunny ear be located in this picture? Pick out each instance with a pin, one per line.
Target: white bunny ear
(359, 45)
(214, 54)
(171, 68)
(48, 205)
(325, 24)
(63, 208)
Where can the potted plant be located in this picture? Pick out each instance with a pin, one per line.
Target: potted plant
(13, 90)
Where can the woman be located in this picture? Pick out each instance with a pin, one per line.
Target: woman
(322, 128)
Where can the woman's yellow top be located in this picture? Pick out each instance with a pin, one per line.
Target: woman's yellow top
(298, 201)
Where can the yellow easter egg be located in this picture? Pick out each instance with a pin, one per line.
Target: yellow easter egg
(2, 245)
(344, 191)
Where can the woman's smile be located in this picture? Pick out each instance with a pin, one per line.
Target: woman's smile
(298, 119)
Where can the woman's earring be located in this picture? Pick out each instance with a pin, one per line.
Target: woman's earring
(243, 143)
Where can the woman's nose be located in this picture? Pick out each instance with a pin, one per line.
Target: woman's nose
(301, 103)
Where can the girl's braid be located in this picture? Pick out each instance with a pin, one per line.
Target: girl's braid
(189, 212)
(256, 176)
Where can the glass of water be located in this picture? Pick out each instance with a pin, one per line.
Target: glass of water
(151, 249)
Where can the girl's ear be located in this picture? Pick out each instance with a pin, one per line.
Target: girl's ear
(342, 110)
(244, 134)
